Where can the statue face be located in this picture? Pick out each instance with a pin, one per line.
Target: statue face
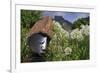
(38, 43)
(43, 43)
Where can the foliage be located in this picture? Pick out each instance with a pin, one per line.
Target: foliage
(29, 17)
(80, 21)
(68, 46)
(80, 44)
(57, 44)
(25, 51)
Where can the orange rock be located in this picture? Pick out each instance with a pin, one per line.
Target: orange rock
(42, 26)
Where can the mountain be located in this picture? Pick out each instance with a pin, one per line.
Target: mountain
(64, 23)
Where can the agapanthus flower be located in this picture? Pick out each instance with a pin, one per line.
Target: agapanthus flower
(68, 50)
(76, 34)
(60, 30)
(57, 24)
(85, 29)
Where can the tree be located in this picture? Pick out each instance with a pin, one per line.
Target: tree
(81, 21)
(29, 17)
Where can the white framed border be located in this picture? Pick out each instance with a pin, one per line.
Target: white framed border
(16, 66)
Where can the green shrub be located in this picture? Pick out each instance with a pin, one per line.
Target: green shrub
(28, 19)
(68, 46)
(58, 44)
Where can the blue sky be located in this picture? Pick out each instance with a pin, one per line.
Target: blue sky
(70, 16)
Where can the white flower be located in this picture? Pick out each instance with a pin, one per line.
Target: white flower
(57, 24)
(66, 33)
(68, 50)
(60, 29)
(76, 34)
(85, 29)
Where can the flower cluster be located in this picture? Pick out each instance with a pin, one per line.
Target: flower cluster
(85, 29)
(60, 30)
(76, 34)
(79, 33)
(57, 24)
(68, 51)
(66, 45)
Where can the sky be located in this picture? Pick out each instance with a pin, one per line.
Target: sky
(70, 16)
